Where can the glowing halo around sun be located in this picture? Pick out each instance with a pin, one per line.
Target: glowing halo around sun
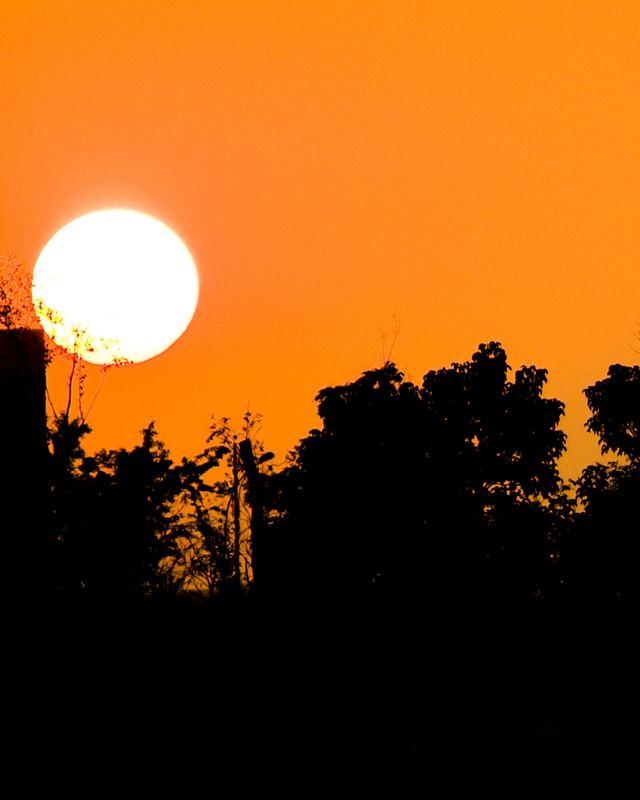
(115, 286)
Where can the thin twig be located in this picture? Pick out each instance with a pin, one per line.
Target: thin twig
(50, 401)
(70, 386)
(104, 372)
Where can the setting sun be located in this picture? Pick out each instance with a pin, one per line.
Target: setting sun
(115, 286)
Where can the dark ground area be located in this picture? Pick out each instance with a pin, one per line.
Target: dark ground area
(343, 679)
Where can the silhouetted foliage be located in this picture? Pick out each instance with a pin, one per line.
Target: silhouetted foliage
(217, 510)
(493, 448)
(600, 566)
(131, 524)
(615, 411)
(447, 489)
(115, 517)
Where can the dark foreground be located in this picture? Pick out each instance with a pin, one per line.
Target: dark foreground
(348, 677)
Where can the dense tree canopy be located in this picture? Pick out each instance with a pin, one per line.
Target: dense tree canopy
(421, 488)
(114, 516)
(615, 410)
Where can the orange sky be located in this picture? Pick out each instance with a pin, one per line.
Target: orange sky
(469, 169)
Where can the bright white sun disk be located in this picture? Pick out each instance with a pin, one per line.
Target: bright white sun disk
(115, 286)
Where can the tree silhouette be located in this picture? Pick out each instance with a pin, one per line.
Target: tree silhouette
(439, 489)
(224, 504)
(492, 448)
(133, 525)
(117, 522)
(599, 563)
(341, 490)
(615, 411)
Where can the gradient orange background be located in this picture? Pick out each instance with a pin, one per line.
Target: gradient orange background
(470, 169)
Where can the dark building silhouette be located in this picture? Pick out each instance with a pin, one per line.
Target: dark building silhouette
(24, 489)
